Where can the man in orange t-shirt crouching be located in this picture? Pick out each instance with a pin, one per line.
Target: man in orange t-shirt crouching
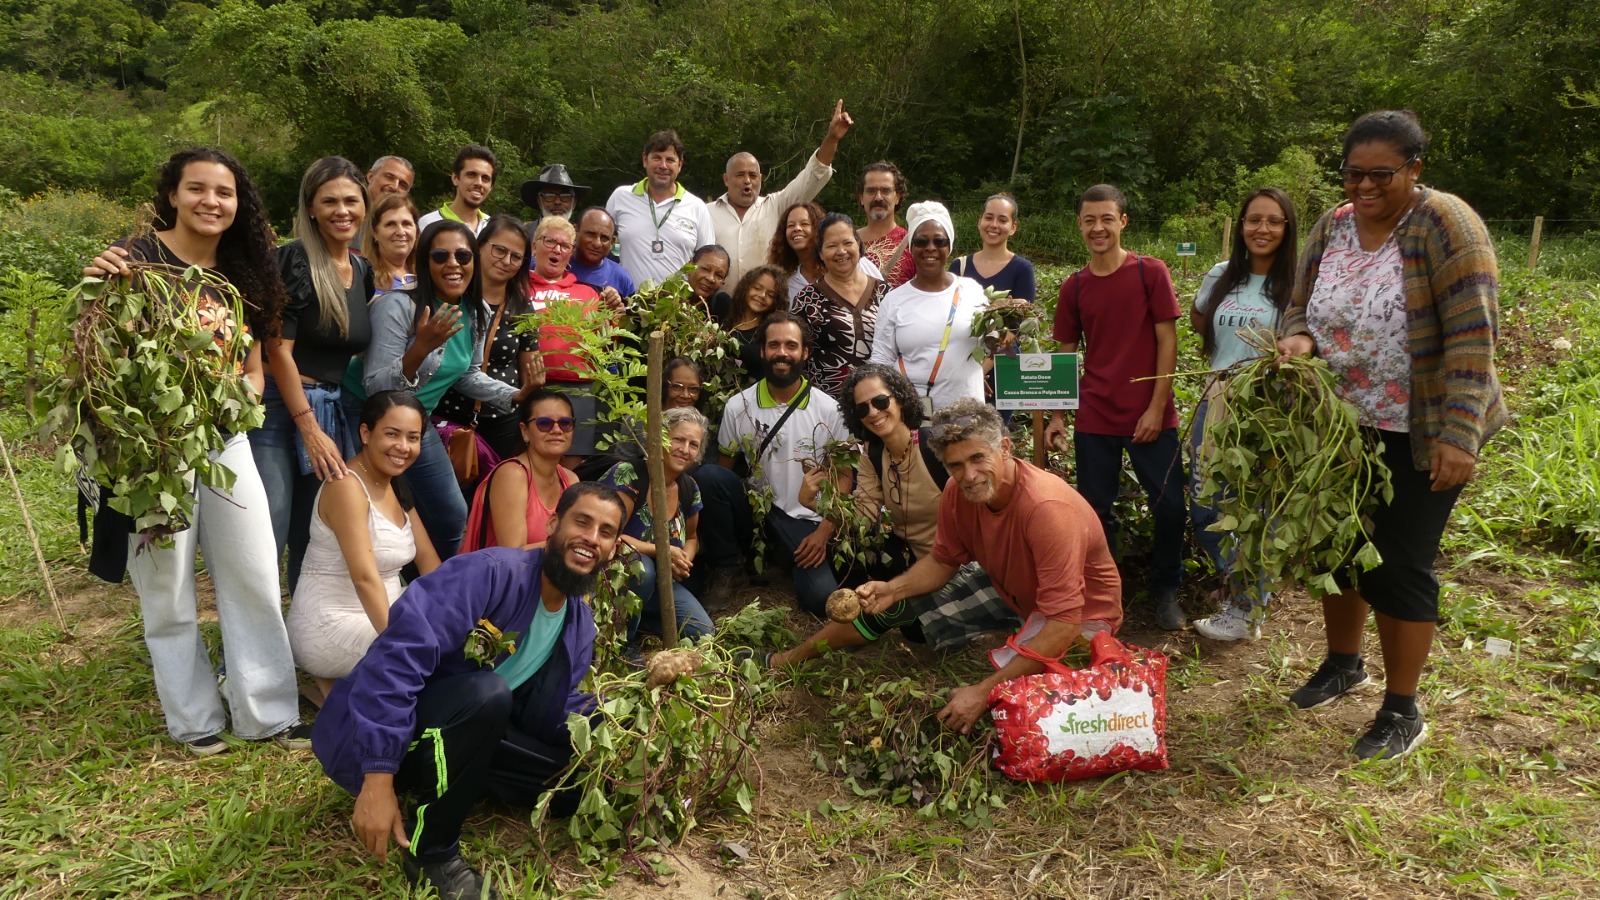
(1039, 543)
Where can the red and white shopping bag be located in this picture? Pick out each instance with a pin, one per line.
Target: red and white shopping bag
(1064, 724)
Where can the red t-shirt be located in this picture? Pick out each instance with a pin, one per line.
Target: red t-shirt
(1044, 551)
(557, 343)
(1113, 319)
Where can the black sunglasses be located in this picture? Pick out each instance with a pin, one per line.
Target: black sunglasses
(547, 424)
(923, 240)
(440, 256)
(880, 402)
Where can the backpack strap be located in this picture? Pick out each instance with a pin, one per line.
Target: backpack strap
(941, 476)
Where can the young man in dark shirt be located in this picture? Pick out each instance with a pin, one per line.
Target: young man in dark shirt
(1121, 309)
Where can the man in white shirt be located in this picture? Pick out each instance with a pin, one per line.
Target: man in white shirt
(659, 223)
(473, 177)
(759, 424)
(745, 220)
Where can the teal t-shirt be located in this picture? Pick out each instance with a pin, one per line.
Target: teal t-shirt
(533, 648)
(1246, 306)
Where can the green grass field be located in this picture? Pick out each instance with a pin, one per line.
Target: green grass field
(1260, 801)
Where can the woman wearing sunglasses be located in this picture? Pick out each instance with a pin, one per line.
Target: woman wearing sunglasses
(513, 506)
(422, 343)
(550, 283)
(508, 357)
(925, 325)
(899, 472)
(1398, 293)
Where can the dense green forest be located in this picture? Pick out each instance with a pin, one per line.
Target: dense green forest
(1182, 102)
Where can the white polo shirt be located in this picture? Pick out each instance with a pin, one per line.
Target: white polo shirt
(747, 239)
(748, 418)
(678, 225)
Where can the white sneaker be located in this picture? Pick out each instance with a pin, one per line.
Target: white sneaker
(1232, 624)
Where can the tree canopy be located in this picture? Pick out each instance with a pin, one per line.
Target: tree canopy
(1177, 102)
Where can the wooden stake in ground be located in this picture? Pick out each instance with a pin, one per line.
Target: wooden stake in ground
(656, 461)
(30, 387)
(1533, 246)
(1041, 453)
(1227, 237)
(33, 536)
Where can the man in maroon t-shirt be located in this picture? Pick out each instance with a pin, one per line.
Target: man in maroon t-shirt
(1121, 308)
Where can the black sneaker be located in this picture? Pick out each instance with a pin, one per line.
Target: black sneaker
(296, 738)
(1329, 684)
(1391, 736)
(210, 745)
(453, 878)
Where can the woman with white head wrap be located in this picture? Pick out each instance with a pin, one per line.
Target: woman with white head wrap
(925, 325)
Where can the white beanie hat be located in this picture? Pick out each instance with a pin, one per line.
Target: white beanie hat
(930, 211)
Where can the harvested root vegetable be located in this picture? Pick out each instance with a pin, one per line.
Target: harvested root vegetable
(844, 605)
(1294, 472)
(670, 665)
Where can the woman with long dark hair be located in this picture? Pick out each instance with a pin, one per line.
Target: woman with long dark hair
(504, 249)
(1397, 290)
(308, 432)
(1248, 292)
(759, 291)
(428, 340)
(363, 532)
(208, 214)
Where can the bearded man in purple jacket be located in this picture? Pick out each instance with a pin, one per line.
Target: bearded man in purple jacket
(467, 691)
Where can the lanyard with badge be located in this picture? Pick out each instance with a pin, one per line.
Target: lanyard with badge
(944, 344)
(658, 245)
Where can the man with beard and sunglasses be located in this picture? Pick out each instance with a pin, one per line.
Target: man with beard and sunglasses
(467, 691)
(778, 424)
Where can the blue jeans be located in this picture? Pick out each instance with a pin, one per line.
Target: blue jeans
(1203, 512)
(1159, 467)
(693, 620)
(811, 586)
(437, 495)
(290, 495)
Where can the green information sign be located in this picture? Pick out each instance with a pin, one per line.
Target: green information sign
(1188, 249)
(1036, 381)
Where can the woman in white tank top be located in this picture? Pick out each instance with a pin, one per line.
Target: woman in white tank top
(362, 534)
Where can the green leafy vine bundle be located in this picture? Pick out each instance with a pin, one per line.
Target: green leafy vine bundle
(892, 747)
(664, 749)
(149, 391)
(1007, 316)
(862, 528)
(1297, 474)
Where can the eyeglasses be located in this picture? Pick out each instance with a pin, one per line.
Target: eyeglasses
(922, 240)
(558, 246)
(1272, 222)
(878, 191)
(440, 256)
(548, 196)
(897, 491)
(1380, 177)
(505, 254)
(880, 403)
(547, 424)
(678, 387)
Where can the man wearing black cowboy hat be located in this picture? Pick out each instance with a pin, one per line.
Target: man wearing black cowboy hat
(553, 193)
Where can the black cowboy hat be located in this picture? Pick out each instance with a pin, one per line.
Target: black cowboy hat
(552, 176)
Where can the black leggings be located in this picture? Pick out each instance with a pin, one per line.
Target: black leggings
(1406, 531)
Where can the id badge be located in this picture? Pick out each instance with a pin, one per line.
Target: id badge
(658, 246)
(927, 409)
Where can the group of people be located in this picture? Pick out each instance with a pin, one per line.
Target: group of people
(382, 333)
